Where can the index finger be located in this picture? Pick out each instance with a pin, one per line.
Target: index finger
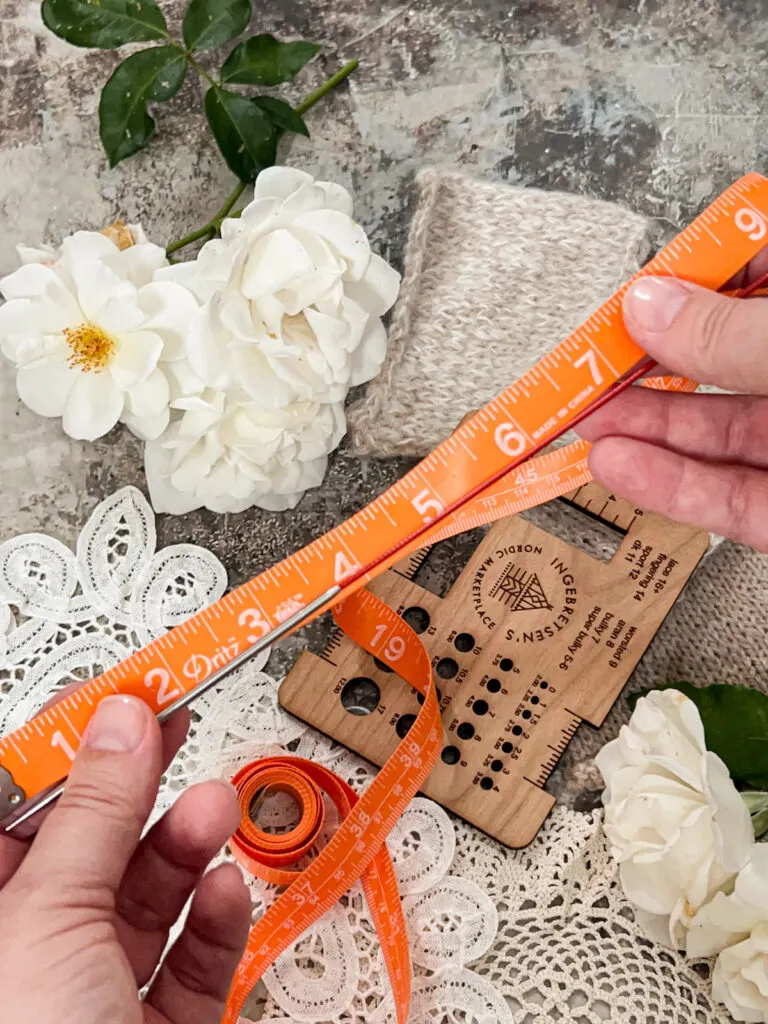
(13, 847)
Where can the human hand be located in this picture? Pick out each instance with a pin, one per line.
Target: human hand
(85, 909)
(697, 458)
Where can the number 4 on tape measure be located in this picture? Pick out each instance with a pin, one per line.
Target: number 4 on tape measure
(462, 481)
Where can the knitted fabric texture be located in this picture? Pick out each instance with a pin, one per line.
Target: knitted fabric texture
(495, 276)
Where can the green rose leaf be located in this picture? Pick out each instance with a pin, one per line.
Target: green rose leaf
(735, 720)
(757, 805)
(150, 75)
(209, 23)
(245, 135)
(104, 23)
(264, 60)
(282, 115)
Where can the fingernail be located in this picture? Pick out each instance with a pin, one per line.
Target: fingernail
(118, 725)
(653, 303)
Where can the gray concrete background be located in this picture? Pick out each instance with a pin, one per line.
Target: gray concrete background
(658, 104)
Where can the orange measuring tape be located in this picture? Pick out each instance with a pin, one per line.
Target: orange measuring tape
(357, 849)
(269, 857)
(471, 478)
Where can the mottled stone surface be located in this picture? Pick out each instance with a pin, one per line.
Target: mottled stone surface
(655, 103)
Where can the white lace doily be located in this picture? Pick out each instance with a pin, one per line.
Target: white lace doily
(497, 936)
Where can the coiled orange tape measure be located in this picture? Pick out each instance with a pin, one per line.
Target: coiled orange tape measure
(269, 856)
(460, 479)
(357, 849)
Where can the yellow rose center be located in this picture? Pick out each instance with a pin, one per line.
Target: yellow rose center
(90, 348)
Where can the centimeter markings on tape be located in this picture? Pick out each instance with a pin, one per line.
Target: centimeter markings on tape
(567, 383)
(354, 847)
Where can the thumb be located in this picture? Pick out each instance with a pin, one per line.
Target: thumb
(87, 840)
(699, 334)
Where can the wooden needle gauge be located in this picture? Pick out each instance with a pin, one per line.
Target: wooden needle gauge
(533, 639)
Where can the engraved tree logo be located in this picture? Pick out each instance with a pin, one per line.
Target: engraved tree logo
(520, 590)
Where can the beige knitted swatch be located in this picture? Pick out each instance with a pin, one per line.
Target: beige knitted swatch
(495, 276)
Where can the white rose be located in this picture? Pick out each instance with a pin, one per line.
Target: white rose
(740, 977)
(729, 918)
(676, 824)
(291, 296)
(228, 453)
(736, 927)
(91, 334)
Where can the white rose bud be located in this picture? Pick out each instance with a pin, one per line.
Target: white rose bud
(740, 978)
(735, 925)
(291, 295)
(676, 824)
(290, 299)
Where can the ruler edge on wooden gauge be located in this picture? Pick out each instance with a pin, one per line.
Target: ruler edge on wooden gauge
(482, 452)
(416, 562)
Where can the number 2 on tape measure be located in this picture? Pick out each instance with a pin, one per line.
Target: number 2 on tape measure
(167, 691)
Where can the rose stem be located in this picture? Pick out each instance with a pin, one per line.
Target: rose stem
(214, 224)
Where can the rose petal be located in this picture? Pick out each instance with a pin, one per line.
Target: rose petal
(147, 428)
(86, 247)
(25, 327)
(278, 502)
(258, 216)
(279, 182)
(343, 235)
(45, 388)
(149, 397)
(209, 357)
(120, 314)
(36, 254)
(735, 837)
(259, 379)
(170, 310)
(93, 406)
(336, 197)
(182, 380)
(140, 262)
(307, 197)
(368, 357)
(275, 262)
(98, 287)
(43, 283)
(163, 495)
(135, 358)
(378, 289)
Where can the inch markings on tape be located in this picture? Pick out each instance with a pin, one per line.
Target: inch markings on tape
(456, 482)
(545, 402)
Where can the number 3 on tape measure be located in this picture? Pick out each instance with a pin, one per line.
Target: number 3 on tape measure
(252, 618)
